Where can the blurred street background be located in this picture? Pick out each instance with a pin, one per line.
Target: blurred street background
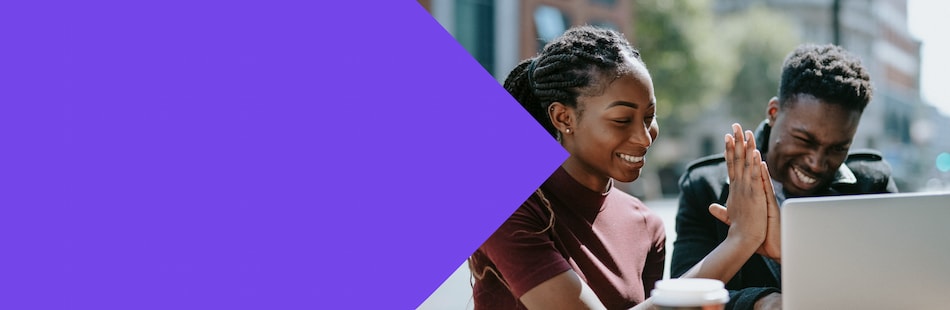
(717, 62)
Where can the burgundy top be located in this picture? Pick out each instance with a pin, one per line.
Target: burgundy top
(613, 242)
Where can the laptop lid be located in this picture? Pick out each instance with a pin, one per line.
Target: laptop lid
(881, 251)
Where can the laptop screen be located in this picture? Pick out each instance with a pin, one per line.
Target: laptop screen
(882, 251)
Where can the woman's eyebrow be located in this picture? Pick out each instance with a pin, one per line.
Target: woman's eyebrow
(623, 103)
(628, 104)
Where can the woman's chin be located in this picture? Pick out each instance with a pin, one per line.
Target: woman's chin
(627, 178)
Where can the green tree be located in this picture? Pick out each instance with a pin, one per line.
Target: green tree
(700, 60)
(691, 66)
(762, 38)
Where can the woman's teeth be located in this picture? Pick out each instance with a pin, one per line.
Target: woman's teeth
(630, 158)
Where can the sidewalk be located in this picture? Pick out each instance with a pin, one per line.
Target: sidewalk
(456, 292)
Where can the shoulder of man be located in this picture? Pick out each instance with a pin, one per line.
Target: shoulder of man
(868, 166)
(868, 161)
(864, 155)
(711, 168)
(705, 162)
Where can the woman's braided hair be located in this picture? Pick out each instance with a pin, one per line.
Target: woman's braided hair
(567, 67)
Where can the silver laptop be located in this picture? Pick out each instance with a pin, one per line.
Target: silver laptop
(882, 251)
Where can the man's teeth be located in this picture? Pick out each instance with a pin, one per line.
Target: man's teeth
(632, 159)
(803, 177)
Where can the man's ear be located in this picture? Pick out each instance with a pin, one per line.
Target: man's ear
(562, 117)
(772, 110)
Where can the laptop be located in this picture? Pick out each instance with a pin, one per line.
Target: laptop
(880, 251)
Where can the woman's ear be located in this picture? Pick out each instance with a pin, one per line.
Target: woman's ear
(562, 117)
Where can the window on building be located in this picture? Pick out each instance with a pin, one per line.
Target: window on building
(475, 30)
(549, 23)
(896, 120)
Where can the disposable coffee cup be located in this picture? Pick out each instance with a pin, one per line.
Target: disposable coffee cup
(690, 294)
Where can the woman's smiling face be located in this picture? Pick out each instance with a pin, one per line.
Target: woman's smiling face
(612, 130)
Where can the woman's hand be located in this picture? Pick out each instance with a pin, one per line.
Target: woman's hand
(747, 202)
(747, 212)
(744, 177)
(772, 246)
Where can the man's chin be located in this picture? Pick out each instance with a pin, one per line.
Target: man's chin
(794, 191)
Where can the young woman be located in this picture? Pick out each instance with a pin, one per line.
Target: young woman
(578, 242)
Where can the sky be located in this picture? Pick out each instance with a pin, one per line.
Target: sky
(927, 22)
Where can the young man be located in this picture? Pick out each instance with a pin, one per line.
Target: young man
(805, 141)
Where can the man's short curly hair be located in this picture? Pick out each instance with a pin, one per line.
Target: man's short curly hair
(829, 73)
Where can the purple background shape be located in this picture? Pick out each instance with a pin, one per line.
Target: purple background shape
(247, 155)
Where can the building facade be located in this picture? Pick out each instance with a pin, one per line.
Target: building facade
(500, 33)
(877, 31)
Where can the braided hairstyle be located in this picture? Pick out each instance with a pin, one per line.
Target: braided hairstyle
(578, 62)
(827, 72)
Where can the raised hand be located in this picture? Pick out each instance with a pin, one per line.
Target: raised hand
(747, 207)
(750, 187)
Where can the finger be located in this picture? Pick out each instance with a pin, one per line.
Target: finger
(755, 158)
(720, 213)
(774, 229)
(769, 190)
(767, 179)
(749, 148)
(750, 139)
(730, 154)
(739, 149)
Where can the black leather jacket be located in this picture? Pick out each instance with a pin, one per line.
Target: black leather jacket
(698, 232)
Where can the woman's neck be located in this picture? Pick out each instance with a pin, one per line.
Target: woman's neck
(586, 175)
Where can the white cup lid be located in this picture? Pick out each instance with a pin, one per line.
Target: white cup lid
(689, 292)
